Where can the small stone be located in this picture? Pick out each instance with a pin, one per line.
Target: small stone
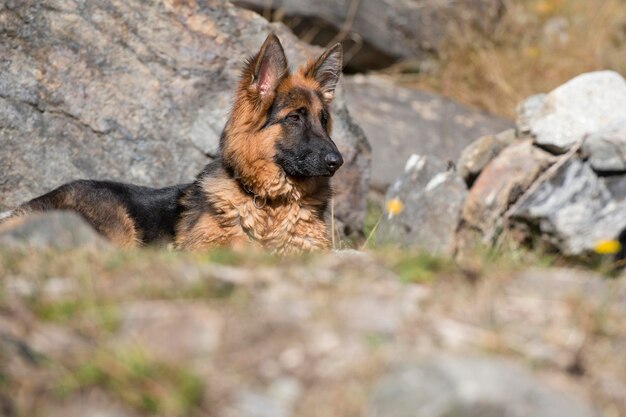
(431, 196)
(480, 152)
(607, 148)
(574, 209)
(527, 112)
(500, 184)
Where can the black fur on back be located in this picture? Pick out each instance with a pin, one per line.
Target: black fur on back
(154, 211)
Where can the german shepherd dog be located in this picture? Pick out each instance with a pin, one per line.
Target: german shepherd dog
(270, 185)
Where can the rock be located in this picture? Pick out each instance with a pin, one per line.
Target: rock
(582, 106)
(392, 29)
(351, 183)
(93, 403)
(527, 111)
(55, 341)
(607, 148)
(429, 197)
(501, 183)
(554, 300)
(562, 284)
(574, 209)
(134, 92)
(58, 229)
(278, 401)
(480, 152)
(456, 387)
(399, 121)
(374, 315)
(382, 310)
(616, 184)
(172, 331)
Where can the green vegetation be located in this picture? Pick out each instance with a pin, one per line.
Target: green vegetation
(420, 268)
(147, 385)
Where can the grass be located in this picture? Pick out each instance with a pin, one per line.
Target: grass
(420, 267)
(538, 45)
(147, 385)
(104, 316)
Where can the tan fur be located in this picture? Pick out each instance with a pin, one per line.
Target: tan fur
(282, 225)
(108, 218)
(120, 228)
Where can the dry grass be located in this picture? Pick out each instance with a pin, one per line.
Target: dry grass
(538, 45)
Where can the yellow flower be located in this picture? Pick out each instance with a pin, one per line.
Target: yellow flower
(546, 7)
(532, 52)
(394, 207)
(607, 247)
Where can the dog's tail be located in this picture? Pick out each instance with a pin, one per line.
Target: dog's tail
(96, 204)
(57, 199)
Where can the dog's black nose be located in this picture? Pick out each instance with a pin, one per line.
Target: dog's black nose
(333, 161)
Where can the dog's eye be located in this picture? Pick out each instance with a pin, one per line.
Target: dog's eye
(294, 117)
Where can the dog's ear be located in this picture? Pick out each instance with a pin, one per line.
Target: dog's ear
(269, 67)
(326, 71)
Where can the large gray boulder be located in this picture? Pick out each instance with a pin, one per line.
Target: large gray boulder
(400, 121)
(135, 92)
(447, 386)
(394, 28)
(428, 200)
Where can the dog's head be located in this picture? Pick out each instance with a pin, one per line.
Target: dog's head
(279, 131)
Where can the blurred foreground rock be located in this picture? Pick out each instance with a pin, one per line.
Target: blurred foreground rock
(458, 387)
(246, 335)
(430, 196)
(135, 92)
(399, 122)
(170, 331)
